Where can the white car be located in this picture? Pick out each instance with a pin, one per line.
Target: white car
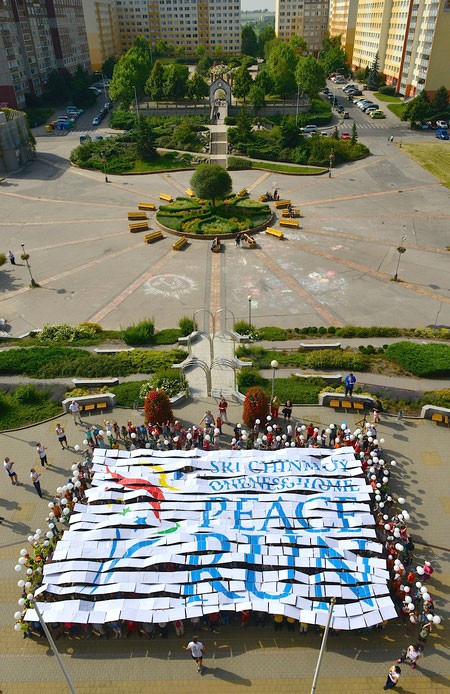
(441, 124)
(309, 129)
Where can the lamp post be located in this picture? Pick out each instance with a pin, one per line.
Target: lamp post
(322, 646)
(104, 162)
(33, 283)
(249, 299)
(401, 250)
(136, 101)
(274, 365)
(331, 162)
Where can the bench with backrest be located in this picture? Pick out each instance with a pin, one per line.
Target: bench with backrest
(248, 240)
(440, 415)
(279, 204)
(215, 245)
(292, 213)
(164, 196)
(263, 198)
(288, 223)
(180, 243)
(149, 206)
(137, 216)
(275, 232)
(242, 193)
(339, 401)
(138, 226)
(190, 193)
(153, 236)
(88, 403)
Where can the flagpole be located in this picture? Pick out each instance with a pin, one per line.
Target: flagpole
(53, 647)
(322, 647)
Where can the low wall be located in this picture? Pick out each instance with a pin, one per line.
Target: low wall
(210, 237)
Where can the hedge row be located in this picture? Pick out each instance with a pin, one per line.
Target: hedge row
(321, 359)
(430, 360)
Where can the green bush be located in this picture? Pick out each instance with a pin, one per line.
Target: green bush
(170, 381)
(127, 393)
(122, 119)
(2, 258)
(320, 359)
(230, 120)
(331, 330)
(272, 333)
(139, 333)
(371, 331)
(248, 378)
(167, 337)
(237, 164)
(186, 326)
(388, 90)
(427, 361)
(27, 394)
(242, 327)
(68, 333)
(215, 225)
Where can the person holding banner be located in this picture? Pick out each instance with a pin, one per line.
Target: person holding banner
(197, 651)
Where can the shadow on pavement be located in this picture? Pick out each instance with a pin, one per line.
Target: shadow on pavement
(227, 676)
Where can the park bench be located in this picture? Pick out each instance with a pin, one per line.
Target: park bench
(138, 226)
(292, 213)
(339, 401)
(440, 415)
(275, 232)
(149, 206)
(262, 198)
(164, 196)
(215, 246)
(94, 382)
(137, 216)
(88, 403)
(180, 243)
(242, 193)
(190, 193)
(249, 241)
(113, 350)
(440, 418)
(288, 223)
(346, 405)
(153, 236)
(279, 204)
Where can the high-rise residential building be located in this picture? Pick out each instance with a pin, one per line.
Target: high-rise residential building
(409, 36)
(102, 31)
(306, 18)
(36, 37)
(342, 22)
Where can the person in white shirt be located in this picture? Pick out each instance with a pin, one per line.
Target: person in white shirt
(197, 651)
(9, 467)
(34, 476)
(61, 434)
(42, 454)
(74, 409)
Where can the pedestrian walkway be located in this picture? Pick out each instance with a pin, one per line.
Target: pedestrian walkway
(211, 368)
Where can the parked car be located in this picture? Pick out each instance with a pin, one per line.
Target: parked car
(97, 138)
(363, 102)
(349, 86)
(377, 114)
(354, 92)
(96, 91)
(325, 90)
(340, 80)
(96, 120)
(324, 133)
(340, 109)
(364, 107)
(346, 136)
(441, 134)
(442, 124)
(346, 114)
(309, 129)
(84, 138)
(370, 109)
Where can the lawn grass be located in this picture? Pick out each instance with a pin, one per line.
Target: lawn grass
(162, 163)
(434, 157)
(286, 168)
(397, 109)
(386, 97)
(14, 414)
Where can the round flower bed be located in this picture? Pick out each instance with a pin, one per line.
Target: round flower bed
(195, 217)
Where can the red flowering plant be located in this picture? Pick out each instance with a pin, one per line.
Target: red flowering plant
(256, 406)
(157, 407)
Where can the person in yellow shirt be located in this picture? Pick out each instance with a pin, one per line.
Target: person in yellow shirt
(393, 677)
(290, 623)
(278, 622)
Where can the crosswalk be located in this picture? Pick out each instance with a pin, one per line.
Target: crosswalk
(348, 125)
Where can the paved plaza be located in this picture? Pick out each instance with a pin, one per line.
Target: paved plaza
(256, 659)
(336, 269)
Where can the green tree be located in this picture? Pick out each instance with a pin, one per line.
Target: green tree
(108, 66)
(131, 71)
(264, 80)
(161, 48)
(329, 42)
(154, 86)
(290, 134)
(419, 109)
(205, 64)
(210, 182)
(242, 83)
(182, 136)
(257, 97)
(299, 44)
(335, 60)
(373, 78)
(79, 88)
(249, 41)
(440, 101)
(145, 139)
(310, 75)
(270, 45)
(266, 34)
(354, 139)
(244, 125)
(281, 64)
(175, 81)
(197, 87)
(200, 50)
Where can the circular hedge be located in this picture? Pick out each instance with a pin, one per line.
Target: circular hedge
(194, 216)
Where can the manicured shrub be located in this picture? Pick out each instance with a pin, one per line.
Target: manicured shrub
(68, 333)
(139, 333)
(388, 90)
(169, 336)
(171, 381)
(427, 361)
(27, 394)
(242, 327)
(272, 333)
(230, 120)
(2, 258)
(331, 330)
(186, 326)
(248, 378)
(256, 406)
(238, 164)
(157, 407)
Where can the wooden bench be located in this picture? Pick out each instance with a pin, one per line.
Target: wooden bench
(153, 236)
(242, 193)
(440, 418)
(279, 204)
(215, 245)
(440, 415)
(180, 243)
(138, 216)
(88, 403)
(249, 241)
(190, 193)
(275, 232)
(138, 226)
(346, 405)
(288, 223)
(262, 198)
(149, 206)
(292, 213)
(164, 196)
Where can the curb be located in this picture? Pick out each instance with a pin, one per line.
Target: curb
(29, 426)
(210, 237)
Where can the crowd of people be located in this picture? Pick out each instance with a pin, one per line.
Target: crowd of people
(408, 584)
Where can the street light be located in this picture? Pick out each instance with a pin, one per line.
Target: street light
(249, 299)
(274, 365)
(401, 250)
(104, 162)
(25, 257)
(136, 101)
(331, 162)
(98, 72)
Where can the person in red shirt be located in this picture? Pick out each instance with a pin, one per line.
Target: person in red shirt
(223, 410)
(245, 616)
(310, 430)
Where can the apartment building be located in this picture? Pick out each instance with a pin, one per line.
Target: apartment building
(342, 22)
(36, 37)
(410, 36)
(306, 18)
(100, 17)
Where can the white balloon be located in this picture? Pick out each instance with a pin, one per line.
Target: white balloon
(207, 437)
(28, 584)
(74, 466)
(17, 627)
(411, 607)
(407, 589)
(426, 597)
(21, 602)
(381, 504)
(101, 432)
(418, 584)
(76, 473)
(23, 552)
(30, 596)
(64, 501)
(424, 589)
(36, 537)
(399, 547)
(381, 440)
(39, 531)
(257, 421)
(436, 619)
(268, 418)
(85, 442)
(278, 438)
(29, 572)
(66, 510)
(408, 598)
(21, 583)
(51, 514)
(412, 619)
(430, 617)
(188, 436)
(387, 526)
(133, 435)
(78, 484)
(292, 444)
(18, 567)
(50, 504)
(17, 615)
(49, 534)
(76, 447)
(46, 543)
(147, 445)
(419, 570)
(70, 486)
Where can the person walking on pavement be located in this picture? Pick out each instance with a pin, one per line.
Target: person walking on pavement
(223, 405)
(42, 454)
(74, 409)
(412, 653)
(34, 476)
(197, 651)
(61, 434)
(12, 258)
(393, 677)
(9, 467)
(350, 381)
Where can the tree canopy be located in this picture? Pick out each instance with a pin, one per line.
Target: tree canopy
(132, 70)
(281, 64)
(154, 86)
(440, 100)
(145, 139)
(242, 83)
(197, 88)
(310, 75)
(257, 97)
(373, 79)
(108, 66)
(210, 182)
(175, 81)
(266, 34)
(299, 44)
(264, 81)
(249, 41)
